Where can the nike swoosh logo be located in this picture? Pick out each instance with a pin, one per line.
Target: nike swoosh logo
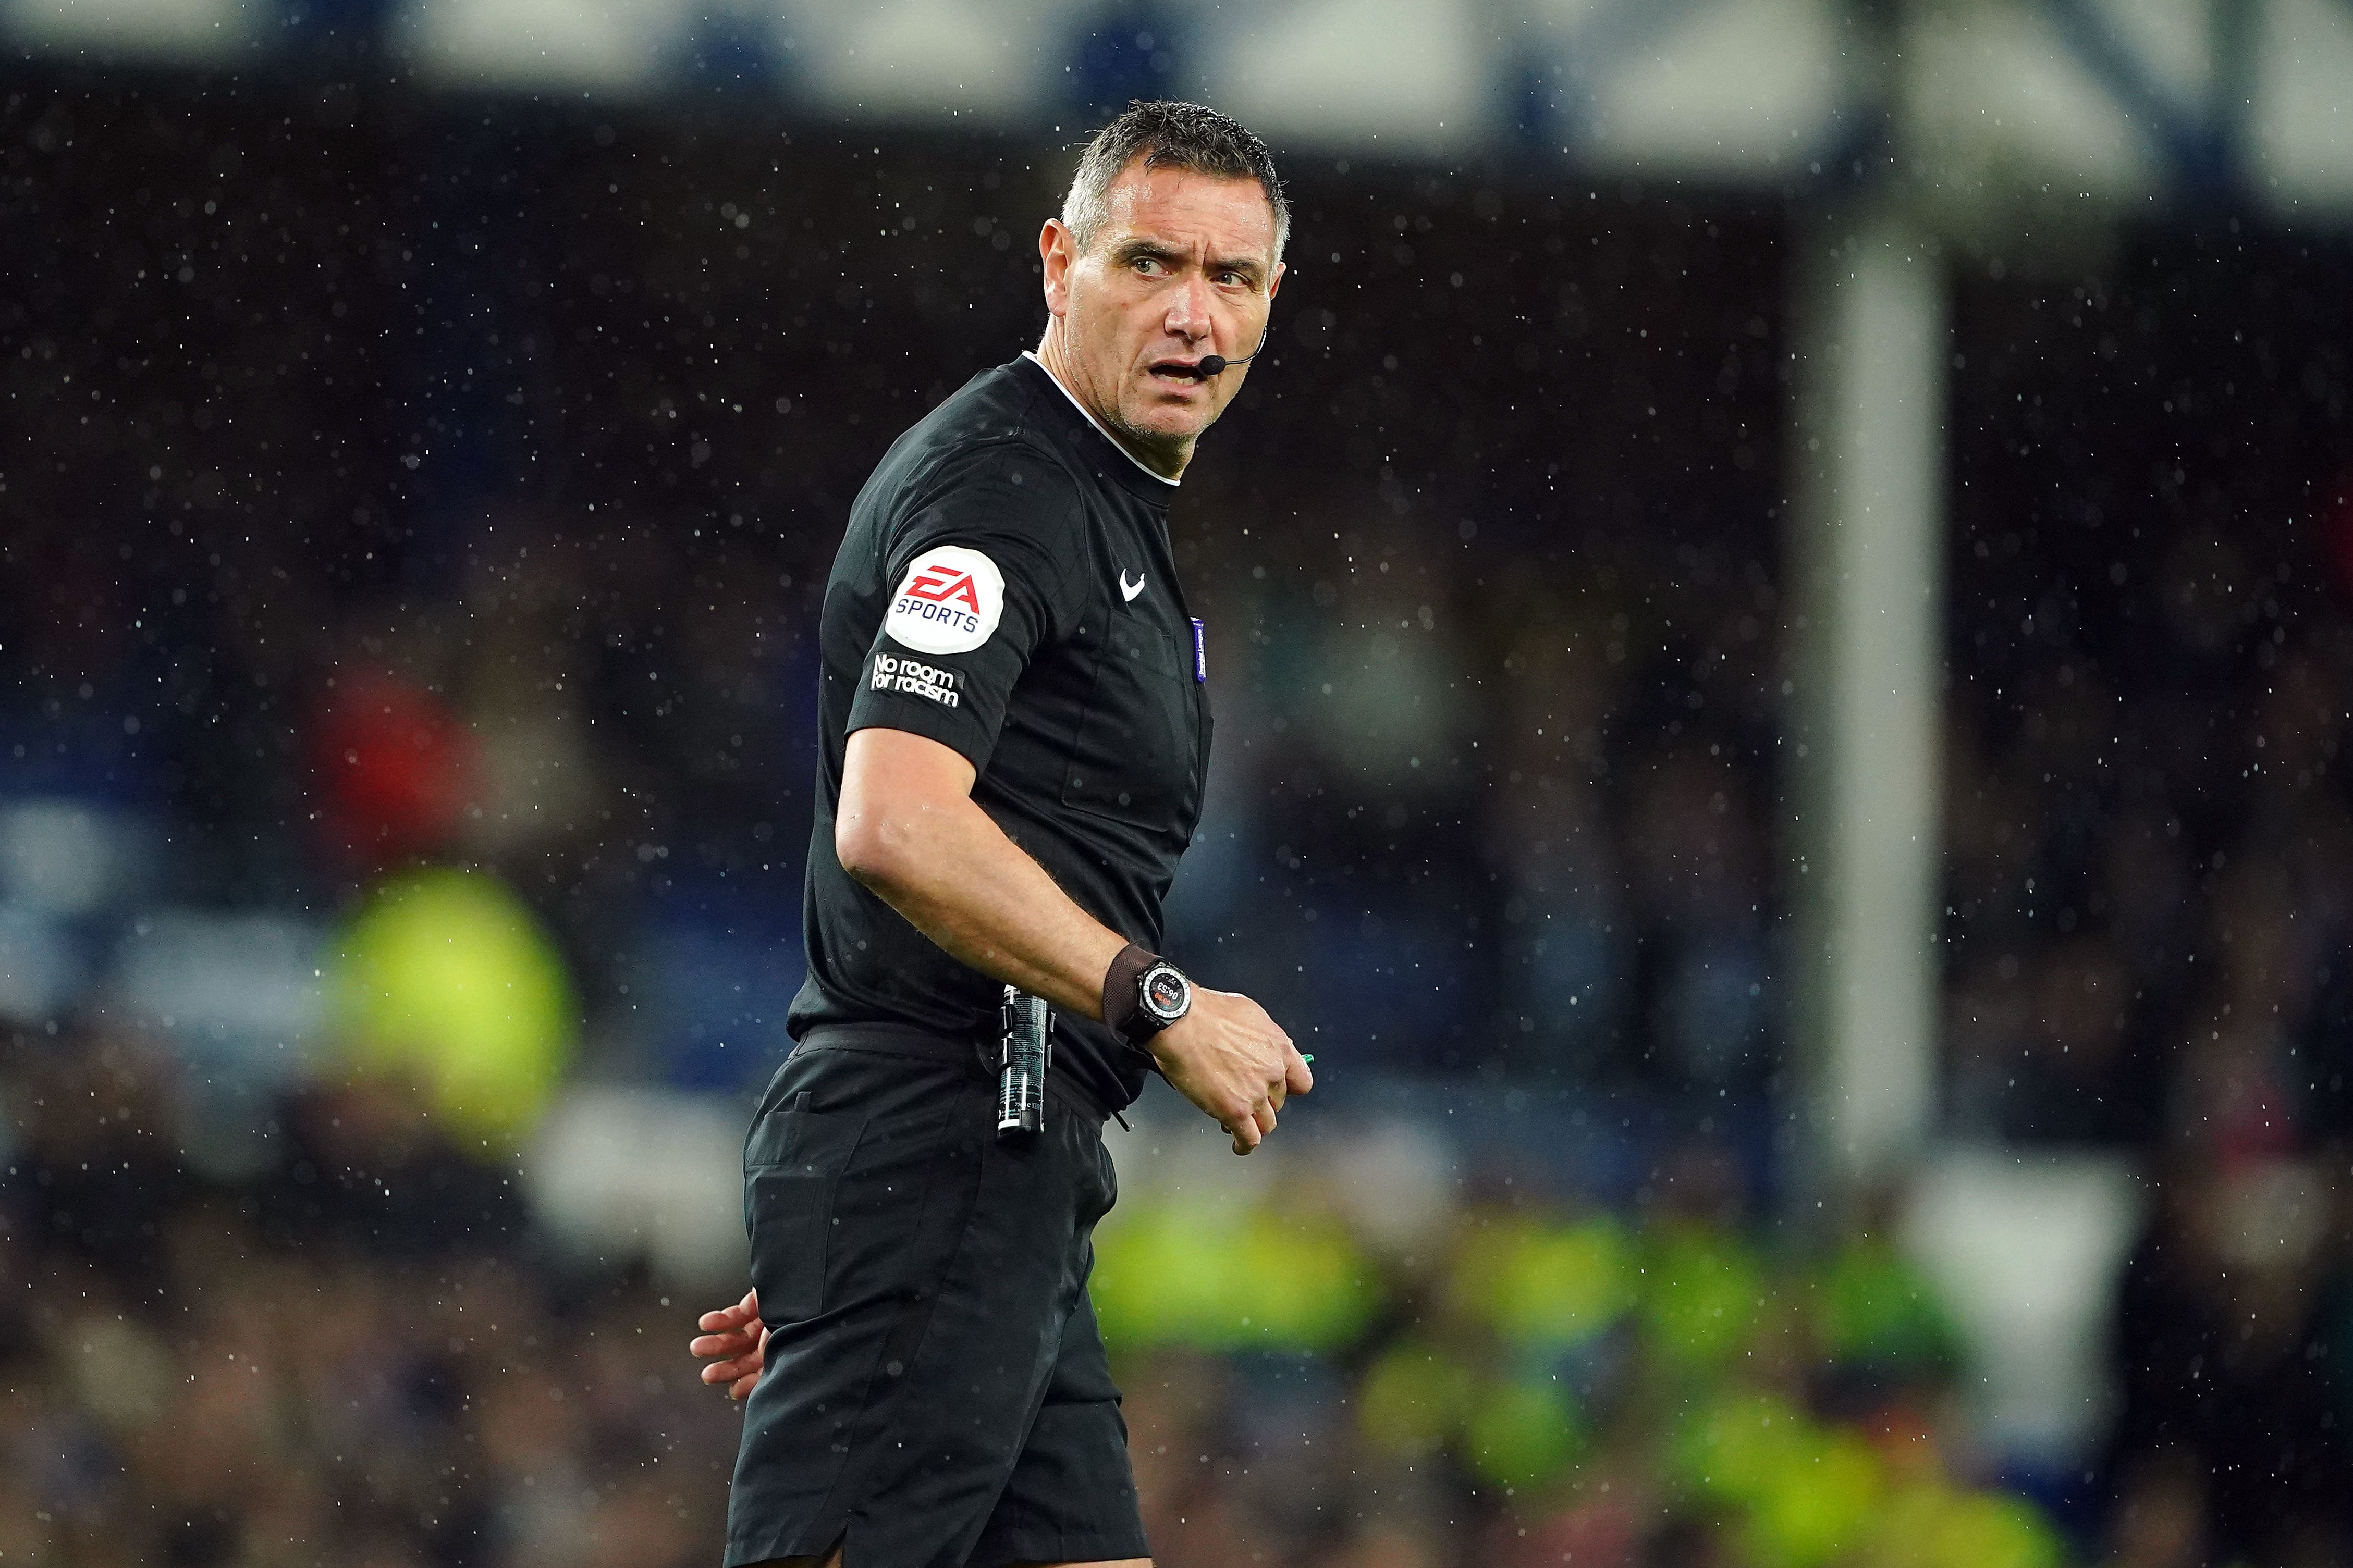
(1126, 590)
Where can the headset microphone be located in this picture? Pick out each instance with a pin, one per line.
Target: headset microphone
(1216, 365)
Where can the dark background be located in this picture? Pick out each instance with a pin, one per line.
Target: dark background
(511, 392)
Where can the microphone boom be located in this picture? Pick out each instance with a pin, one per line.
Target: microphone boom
(1217, 365)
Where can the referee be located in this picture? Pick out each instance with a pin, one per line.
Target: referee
(1015, 733)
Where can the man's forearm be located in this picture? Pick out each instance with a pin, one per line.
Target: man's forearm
(952, 872)
(906, 827)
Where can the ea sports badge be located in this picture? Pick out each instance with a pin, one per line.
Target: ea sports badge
(949, 601)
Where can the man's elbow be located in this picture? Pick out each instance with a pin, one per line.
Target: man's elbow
(904, 801)
(871, 851)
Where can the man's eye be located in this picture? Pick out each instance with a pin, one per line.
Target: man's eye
(1147, 264)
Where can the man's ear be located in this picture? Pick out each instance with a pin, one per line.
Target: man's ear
(1057, 249)
(1274, 279)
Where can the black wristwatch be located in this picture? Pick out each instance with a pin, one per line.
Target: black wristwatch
(1163, 996)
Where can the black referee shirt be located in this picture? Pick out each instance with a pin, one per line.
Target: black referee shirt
(1006, 588)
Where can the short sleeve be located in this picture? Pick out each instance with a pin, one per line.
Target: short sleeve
(974, 589)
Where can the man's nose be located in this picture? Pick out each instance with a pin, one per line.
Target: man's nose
(1188, 309)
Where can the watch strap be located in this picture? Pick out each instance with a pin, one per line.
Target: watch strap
(1123, 1004)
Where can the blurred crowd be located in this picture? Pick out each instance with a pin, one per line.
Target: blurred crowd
(1514, 1377)
(363, 1353)
(365, 1350)
(357, 1355)
(2148, 887)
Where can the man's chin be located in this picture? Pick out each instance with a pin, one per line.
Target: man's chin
(1160, 422)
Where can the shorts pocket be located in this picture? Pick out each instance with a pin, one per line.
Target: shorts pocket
(792, 1162)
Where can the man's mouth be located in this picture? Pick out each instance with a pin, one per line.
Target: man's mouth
(1177, 370)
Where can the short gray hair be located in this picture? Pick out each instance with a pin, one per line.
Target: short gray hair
(1169, 134)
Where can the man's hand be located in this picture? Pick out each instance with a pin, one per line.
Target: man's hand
(735, 1342)
(1226, 1055)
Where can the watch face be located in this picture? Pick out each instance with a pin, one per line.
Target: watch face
(1165, 992)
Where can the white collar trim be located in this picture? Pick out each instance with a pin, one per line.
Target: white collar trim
(1031, 355)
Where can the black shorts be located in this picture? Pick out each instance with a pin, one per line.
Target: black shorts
(936, 1393)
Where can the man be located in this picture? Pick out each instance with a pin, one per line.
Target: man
(1015, 738)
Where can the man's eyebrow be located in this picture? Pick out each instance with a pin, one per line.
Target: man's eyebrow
(1138, 249)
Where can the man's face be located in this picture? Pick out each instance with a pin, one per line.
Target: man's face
(1183, 268)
